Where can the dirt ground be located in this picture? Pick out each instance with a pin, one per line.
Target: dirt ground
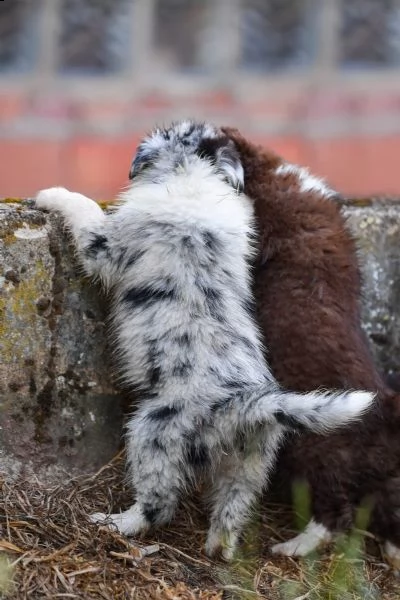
(49, 550)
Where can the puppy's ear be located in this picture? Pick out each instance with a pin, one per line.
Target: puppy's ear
(222, 152)
(231, 132)
(140, 162)
(228, 162)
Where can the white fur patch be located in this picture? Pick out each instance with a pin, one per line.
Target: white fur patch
(220, 542)
(314, 535)
(307, 181)
(393, 554)
(129, 522)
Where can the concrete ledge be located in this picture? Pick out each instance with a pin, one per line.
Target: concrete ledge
(59, 412)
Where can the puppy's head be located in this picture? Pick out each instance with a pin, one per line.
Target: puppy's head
(183, 144)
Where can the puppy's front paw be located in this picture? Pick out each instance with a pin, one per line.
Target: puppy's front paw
(52, 198)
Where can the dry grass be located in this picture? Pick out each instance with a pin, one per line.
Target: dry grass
(49, 550)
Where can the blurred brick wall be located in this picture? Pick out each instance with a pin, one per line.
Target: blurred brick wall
(351, 138)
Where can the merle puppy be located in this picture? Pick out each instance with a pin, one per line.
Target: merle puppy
(308, 288)
(175, 253)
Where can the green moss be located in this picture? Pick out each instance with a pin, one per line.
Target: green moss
(104, 204)
(3, 305)
(11, 200)
(21, 304)
(8, 238)
(361, 202)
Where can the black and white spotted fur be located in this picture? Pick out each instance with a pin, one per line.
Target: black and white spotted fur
(175, 253)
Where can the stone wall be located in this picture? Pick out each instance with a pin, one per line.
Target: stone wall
(58, 409)
(59, 412)
(376, 225)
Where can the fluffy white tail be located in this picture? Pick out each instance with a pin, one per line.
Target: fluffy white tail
(315, 411)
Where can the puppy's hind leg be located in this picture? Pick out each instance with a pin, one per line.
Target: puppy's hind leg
(331, 512)
(314, 535)
(392, 554)
(238, 481)
(157, 474)
(385, 519)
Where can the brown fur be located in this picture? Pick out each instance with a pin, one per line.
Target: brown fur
(307, 286)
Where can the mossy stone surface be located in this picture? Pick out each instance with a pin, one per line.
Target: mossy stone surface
(377, 229)
(59, 412)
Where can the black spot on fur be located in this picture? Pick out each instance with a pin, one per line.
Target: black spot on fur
(183, 340)
(166, 412)
(155, 375)
(188, 242)
(192, 128)
(127, 260)
(249, 306)
(159, 446)
(98, 244)
(221, 404)
(134, 257)
(211, 241)
(150, 513)
(146, 295)
(182, 369)
(289, 421)
(155, 369)
(234, 384)
(212, 299)
(208, 147)
(198, 455)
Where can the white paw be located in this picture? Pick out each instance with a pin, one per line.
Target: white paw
(98, 517)
(52, 198)
(291, 548)
(130, 522)
(314, 535)
(224, 543)
(228, 552)
(392, 554)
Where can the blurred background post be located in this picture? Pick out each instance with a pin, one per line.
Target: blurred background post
(82, 80)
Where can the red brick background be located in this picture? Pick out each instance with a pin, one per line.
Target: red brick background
(351, 138)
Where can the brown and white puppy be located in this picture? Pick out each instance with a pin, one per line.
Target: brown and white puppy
(307, 286)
